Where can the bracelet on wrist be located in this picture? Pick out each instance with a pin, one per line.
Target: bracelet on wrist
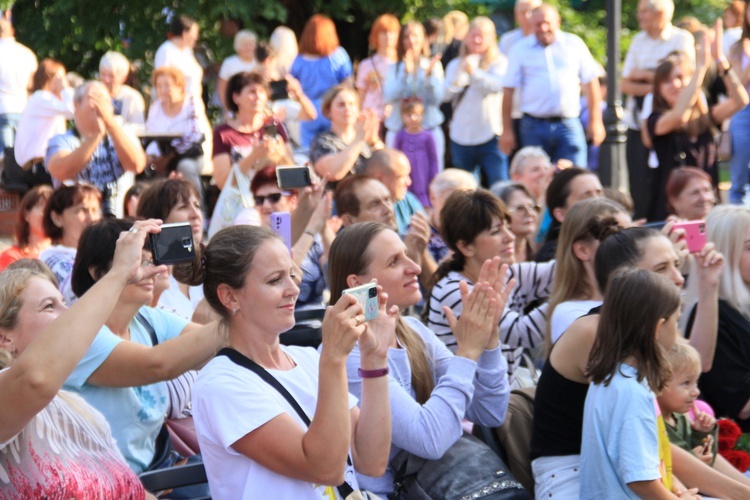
(380, 372)
(312, 235)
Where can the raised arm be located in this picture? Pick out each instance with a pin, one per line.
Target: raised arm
(129, 152)
(40, 371)
(708, 264)
(738, 97)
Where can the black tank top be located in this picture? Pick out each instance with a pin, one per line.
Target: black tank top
(558, 413)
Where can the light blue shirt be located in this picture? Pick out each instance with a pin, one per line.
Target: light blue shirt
(135, 414)
(550, 77)
(620, 442)
(400, 85)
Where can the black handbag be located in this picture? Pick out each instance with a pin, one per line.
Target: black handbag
(468, 470)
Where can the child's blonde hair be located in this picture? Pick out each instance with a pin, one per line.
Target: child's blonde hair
(683, 357)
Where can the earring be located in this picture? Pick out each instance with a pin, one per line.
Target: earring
(234, 311)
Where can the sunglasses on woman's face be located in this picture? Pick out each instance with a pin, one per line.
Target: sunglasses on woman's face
(272, 198)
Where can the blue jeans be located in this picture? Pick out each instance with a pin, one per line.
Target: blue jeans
(487, 157)
(8, 127)
(560, 139)
(740, 131)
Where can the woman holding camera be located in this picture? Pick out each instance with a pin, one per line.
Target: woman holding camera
(253, 138)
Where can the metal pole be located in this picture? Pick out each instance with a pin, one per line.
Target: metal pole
(612, 152)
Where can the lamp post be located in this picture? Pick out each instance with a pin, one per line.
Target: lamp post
(612, 152)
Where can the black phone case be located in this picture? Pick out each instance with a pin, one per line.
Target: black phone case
(173, 245)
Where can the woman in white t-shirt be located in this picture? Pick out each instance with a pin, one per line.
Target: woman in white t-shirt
(252, 439)
(372, 71)
(52, 443)
(575, 292)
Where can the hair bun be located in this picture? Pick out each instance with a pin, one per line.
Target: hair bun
(603, 228)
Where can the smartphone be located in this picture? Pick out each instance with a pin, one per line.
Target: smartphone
(173, 245)
(695, 234)
(658, 225)
(291, 177)
(278, 90)
(271, 131)
(367, 296)
(281, 224)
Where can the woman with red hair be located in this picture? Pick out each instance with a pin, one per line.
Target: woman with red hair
(373, 70)
(690, 194)
(321, 64)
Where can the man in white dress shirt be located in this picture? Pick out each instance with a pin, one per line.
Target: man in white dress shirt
(17, 66)
(550, 69)
(656, 41)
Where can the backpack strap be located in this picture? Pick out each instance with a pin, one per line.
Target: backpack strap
(240, 359)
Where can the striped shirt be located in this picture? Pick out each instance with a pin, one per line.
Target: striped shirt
(520, 328)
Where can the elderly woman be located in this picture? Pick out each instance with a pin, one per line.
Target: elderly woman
(321, 64)
(248, 278)
(175, 113)
(253, 138)
(45, 115)
(690, 194)
(243, 60)
(69, 211)
(54, 445)
(114, 69)
(353, 136)
(177, 52)
(29, 230)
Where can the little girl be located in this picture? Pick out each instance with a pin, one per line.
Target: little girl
(419, 146)
(620, 449)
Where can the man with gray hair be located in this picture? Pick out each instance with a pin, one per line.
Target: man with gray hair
(17, 66)
(442, 186)
(97, 150)
(657, 39)
(531, 167)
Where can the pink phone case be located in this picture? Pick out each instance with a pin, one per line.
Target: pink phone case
(695, 234)
(281, 224)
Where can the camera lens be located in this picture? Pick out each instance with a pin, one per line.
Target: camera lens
(373, 292)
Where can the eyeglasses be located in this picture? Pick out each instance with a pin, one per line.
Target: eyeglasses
(526, 210)
(272, 198)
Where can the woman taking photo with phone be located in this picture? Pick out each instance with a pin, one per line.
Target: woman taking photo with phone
(248, 278)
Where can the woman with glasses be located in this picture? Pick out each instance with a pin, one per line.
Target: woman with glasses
(524, 218)
(310, 249)
(139, 348)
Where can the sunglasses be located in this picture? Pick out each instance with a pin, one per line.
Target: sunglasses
(272, 198)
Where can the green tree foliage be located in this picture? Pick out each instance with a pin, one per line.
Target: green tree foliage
(78, 32)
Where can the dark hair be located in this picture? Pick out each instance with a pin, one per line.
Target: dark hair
(159, 198)
(678, 180)
(505, 192)
(65, 197)
(345, 194)
(331, 94)
(96, 249)
(410, 105)
(619, 251)
(180, 24)
(238, 82)
(349, 255)
(627, 327)
(44, 73)
(465, 215)
(559, 187)
(432, 26)
(35, 196)
(227, 260)
(263, 51)
(134, 191)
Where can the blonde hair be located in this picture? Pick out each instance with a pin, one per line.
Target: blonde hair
(13, 282)
(456, 25)
(683, 357)
(488, 29)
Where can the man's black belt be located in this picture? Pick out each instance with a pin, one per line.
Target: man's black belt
(551, 119)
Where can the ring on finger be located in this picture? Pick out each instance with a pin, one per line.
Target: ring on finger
(133, 230)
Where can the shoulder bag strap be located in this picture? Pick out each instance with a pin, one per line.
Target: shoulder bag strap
(141, 319)
(238, 358)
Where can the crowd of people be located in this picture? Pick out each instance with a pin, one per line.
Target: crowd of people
(453, 174)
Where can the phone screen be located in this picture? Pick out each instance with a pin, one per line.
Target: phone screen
(293, 177)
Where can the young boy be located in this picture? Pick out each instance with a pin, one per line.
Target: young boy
(700, 436)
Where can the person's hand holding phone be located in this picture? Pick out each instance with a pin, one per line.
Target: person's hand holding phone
(379, 333)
